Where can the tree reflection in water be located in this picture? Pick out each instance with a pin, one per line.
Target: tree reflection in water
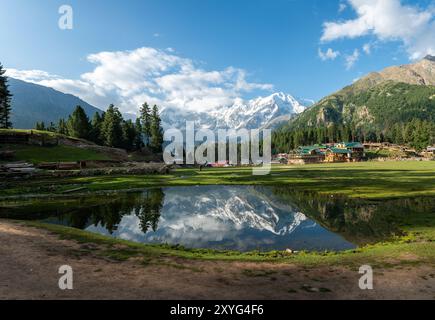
(146, 206)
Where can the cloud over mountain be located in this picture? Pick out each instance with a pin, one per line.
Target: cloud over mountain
(128, 78)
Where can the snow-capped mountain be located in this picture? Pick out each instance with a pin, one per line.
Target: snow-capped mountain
(262, 112)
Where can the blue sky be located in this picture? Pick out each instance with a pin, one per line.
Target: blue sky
(258, 46)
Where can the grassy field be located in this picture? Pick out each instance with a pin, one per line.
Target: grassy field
(370, 180)
(37, 154)
(416, 244)
(37, 133)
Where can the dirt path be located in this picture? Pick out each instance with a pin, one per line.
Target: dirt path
(30, 258)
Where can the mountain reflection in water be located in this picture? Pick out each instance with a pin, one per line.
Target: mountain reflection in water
(227, 217)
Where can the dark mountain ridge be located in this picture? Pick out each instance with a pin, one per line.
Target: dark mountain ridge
(33, 103)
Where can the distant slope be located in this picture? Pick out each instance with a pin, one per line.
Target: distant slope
(33, 103)
(377, 101)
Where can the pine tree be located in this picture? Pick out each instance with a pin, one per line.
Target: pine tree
(138, 143)
(156, 139)
(61, 127)
(128, 135)
(78, 124)
(5, 101)
(111, 128)
(146, 118)
(40, 126)
(96, 125)
(52, 127)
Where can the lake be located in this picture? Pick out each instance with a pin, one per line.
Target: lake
(242, 218)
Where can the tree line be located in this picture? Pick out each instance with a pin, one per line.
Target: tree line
(416, 133)
(110, 128)
(5, 101)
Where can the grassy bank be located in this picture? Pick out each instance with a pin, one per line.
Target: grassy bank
(370, 180)
(414, 248)
(37, 154)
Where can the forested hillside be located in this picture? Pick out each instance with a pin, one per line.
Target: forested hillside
(374, 109)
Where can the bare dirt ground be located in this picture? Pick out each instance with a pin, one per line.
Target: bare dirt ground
(30, 259)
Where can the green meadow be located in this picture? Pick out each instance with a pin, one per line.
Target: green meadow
(368, 180)
(61, 153)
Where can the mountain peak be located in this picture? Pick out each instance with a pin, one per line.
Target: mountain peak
(417, 73)
(277, 97)
(430, 58)
(280, 95)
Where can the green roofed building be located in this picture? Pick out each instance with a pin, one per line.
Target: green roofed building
(340, 152)
(306, 154)
(345, 152)
(357, 149)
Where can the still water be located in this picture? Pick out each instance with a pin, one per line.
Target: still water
(240, 218)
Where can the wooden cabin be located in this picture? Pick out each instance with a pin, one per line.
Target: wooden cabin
(356, 148)
(306, 155)
(338, 155)
(429, 153)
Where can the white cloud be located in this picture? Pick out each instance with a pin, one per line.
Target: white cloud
(388, 20)
(128, 78)
(30, 75)
(351, 59)
(341, 7)
(328, 54)
(367, 48)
